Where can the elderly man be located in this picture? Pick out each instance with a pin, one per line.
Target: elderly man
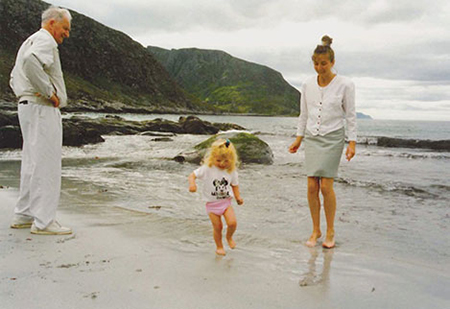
(38, 83)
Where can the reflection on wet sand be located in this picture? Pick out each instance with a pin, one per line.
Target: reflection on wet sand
(312, 277)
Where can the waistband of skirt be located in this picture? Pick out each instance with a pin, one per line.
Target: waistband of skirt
(334, 133)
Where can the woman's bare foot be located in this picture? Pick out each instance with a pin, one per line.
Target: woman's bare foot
(231, 243)
(220, 251)
(312, 241)
(329, 243)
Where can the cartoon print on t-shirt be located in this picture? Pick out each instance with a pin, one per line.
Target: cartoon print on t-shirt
(221, 188)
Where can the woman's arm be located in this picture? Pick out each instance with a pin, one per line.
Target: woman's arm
(303, 117)
(350, 118)
(349, 106)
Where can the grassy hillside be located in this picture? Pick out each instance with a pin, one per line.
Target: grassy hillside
(228, 83)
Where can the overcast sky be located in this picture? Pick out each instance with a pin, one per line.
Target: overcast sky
(396, 52)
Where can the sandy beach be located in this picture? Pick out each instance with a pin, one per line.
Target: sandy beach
(118, 258)
(141, 240)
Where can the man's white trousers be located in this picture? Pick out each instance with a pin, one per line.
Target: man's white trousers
(40, 176)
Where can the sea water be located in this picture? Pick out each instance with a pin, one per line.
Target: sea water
(393, 200)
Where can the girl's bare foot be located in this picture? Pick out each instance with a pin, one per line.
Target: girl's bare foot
(313, 239)
(231, 243)
(220, 251)
(329, 240)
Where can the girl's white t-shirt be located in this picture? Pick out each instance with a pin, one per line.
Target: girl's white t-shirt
(216, 182)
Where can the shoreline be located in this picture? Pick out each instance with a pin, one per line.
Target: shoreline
(119, 258)
(12, 106)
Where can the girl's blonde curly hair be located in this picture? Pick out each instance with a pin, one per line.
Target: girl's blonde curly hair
(222, 148)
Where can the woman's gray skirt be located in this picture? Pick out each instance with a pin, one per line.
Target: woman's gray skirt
(323, 153)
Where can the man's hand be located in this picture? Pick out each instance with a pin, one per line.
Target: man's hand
(55, 100)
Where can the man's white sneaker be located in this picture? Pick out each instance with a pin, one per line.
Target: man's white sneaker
(21, 222)
(53, 228)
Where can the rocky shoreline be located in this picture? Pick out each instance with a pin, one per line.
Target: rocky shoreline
(81, 106)
(80, 130)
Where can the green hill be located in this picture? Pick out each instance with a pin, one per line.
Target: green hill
(228, 83)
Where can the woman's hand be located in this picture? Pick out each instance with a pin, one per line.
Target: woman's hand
(240, 200)
(192, 188)
(296, 144)
(351, 150)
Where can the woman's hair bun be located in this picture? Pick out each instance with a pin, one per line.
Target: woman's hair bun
(326, 40)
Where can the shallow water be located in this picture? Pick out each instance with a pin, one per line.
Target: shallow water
(391, 199)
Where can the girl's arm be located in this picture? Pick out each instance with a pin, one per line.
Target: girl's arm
(192, 184)
(237, 195)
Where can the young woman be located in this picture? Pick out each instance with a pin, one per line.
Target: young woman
(327, 100)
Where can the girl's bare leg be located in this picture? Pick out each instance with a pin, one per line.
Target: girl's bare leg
(217, 232)
(314, 207)
(230, 218)
(329, 204)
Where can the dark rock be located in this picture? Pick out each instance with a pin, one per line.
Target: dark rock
(113, 125)
(114, 117)
(162, 139)
(75, 135)
(193, 125)
(10, 137)
(9, 118)
(413, 143)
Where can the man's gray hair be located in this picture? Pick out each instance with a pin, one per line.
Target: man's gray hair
(55, 13)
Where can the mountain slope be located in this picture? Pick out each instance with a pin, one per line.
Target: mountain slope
(99, 64)
(228, 83)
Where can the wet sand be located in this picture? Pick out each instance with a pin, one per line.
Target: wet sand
(119, 258)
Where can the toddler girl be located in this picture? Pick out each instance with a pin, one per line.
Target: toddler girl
(220, 184)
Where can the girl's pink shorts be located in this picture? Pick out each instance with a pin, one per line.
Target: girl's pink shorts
(218, 207)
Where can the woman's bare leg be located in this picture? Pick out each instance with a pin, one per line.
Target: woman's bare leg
(314, 207)
(329, 204)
